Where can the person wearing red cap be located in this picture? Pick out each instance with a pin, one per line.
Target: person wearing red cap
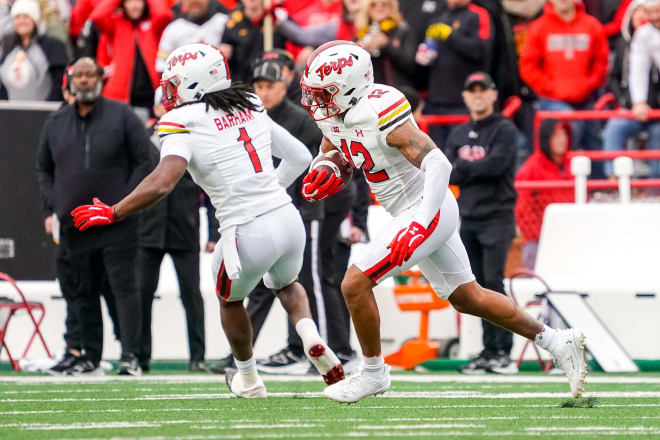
(483, 154)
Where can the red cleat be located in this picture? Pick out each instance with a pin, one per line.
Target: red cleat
(334, 375)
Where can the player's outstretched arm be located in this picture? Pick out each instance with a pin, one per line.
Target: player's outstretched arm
(154, 187)
(422, 152)
(294, 154)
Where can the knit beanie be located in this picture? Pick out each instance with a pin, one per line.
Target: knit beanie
(27, 7)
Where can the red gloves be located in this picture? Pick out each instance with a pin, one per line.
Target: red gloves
(406, 241)
(314, 189)
(97, 214)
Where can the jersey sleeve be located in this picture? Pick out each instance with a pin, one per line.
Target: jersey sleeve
(165, 46)
(393, 109)
(174, 136)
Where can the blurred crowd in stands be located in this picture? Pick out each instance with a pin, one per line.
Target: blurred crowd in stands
(553, 55)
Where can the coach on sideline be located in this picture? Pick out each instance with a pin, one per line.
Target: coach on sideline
(96, 147)
(483, 153)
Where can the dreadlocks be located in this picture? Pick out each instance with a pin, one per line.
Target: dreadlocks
(236, 97)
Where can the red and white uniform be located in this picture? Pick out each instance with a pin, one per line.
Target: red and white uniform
(398, 185)
(230, 157)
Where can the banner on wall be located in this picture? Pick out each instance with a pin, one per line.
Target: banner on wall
(26, 252)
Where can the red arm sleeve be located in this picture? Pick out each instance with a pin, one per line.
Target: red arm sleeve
(161, 15)
(600, 59)
(531, 63)
(79, 16)
(102, 15)
(614, 27)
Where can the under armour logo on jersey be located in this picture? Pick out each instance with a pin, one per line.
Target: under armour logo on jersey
(335, 129)
(358, 133)
(414, 230)
(473, 134)
(327, 69)
(471, 153)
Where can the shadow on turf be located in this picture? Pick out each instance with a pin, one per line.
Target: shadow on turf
(587, 402)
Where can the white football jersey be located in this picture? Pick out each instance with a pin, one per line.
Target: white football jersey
(182, 31)
(396, 183)
(229, 157)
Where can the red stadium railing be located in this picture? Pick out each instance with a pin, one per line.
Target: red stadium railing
(584, 115)
(511, 106)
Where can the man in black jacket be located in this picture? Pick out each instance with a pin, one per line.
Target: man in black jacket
(458, 41)
(483, 152)
(98, 147)
(171, 227)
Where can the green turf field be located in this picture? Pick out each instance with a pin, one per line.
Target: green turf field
(417, 406)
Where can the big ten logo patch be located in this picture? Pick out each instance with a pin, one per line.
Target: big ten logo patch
(181, 59)
(327, 68)
(471, 152)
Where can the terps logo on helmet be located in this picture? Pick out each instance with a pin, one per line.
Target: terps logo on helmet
(326, 69)
(181, 59)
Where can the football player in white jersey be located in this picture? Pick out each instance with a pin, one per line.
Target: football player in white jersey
(220, 133)
(372, 125)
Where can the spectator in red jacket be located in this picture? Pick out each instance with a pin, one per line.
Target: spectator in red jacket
(134, 28)
(565, 61)
(549, 162)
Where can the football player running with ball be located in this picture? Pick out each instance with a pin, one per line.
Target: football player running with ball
(372, 125)
(220, 133)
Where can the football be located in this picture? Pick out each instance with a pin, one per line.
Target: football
(335, 163)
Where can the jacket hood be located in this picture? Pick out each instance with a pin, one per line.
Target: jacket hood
(626, 23)
(545, 133)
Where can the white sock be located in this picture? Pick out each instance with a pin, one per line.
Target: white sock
(306, 329)
(373, 364)
(248, 370)
(546, 338)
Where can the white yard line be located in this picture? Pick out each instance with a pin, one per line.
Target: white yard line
(389, 394)
(420, 378)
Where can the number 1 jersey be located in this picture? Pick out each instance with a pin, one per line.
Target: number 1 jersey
(229, 157)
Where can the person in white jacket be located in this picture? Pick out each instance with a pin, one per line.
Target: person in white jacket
(645, 52)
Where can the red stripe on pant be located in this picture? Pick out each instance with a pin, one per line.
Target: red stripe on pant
(223, 283)
(431, 227)
(379, 269)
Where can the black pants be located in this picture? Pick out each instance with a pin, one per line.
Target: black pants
(487, 244)
(261, 298)
(67, 281)
(334, 261)
(117, 264)
(186, 264)
(339, 338)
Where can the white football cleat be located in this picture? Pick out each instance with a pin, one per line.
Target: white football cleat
(326, 362)
(234, 380)
(359, 385)
(570, 357)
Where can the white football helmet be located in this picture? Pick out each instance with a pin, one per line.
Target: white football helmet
(191, 71)
(336, 76)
